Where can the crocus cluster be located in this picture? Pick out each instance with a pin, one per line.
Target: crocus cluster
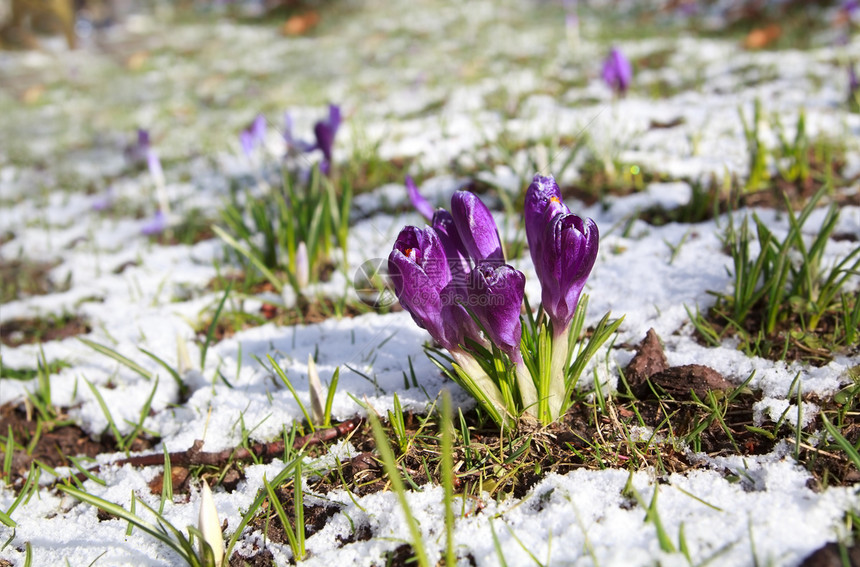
(324, 133)
(452, 278)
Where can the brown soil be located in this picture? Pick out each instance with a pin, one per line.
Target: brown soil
(58, 440)
(22, 278)
(28, 331)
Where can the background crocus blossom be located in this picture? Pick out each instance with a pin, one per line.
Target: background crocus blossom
(324, 134)
(325, 131)
(254, 135)
(617, 72)
(137, 151)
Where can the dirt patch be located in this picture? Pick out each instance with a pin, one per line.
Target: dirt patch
(28, 331)
(50, 442)
(23, 278)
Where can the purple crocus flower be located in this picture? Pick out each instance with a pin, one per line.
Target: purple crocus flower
(294, 145)
(136, 152)
(617, 72)
(419, 270)
(156, 225)
(542, 203)
(421, 204)
(563, 248)
(254, 135)
(476, 227)
(325, 131)
(569, 251)
(496, 297)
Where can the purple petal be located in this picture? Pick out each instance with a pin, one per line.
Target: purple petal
(542, 203)
(496, 297)
(246, 139)
(421, 204)
(156, 225)
(143, 139)
(419, 272)
(325, 131)
(455, 252)
(476, 227)
(568, 255)
(258, 129)
(423, 247)
(617, 71)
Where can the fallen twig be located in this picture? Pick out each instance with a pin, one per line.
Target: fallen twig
(194, 455)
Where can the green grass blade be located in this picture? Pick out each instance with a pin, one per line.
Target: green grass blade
(107, 351)
(210, 334)
(397, 486)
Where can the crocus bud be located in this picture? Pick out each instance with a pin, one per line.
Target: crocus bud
(542, 203)
(617, 72)
(419, 270)
(422, 205)
(496, 297)
(324, 131)
(476, 227)
(302, 265)
(568, 252)
(210, 527)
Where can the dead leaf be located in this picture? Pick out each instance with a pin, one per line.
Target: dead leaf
(649, 360)
(301, 23)
(678, 381)
(762, 37)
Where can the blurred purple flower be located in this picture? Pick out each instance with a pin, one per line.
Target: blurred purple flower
(617, 72)
(136, 152)
(325, 131)
(254, 135)
(294, 145)
(104, 201)
(421, 204)
(156, 225)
